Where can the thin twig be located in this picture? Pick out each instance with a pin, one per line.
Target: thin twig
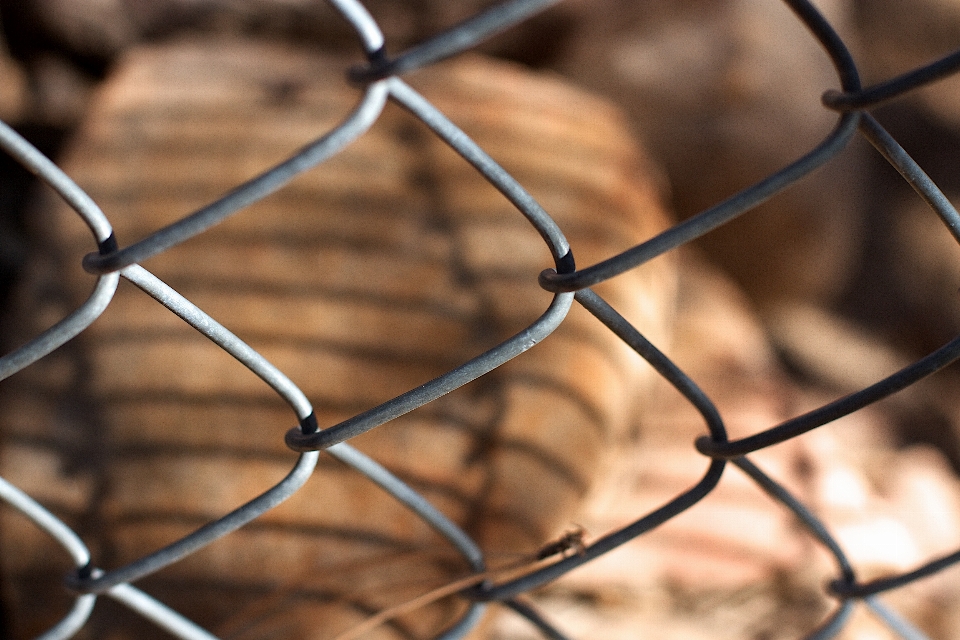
(570, 541)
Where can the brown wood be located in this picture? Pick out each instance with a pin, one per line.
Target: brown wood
(366, 277)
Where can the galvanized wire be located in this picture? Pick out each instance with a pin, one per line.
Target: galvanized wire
(567, 283)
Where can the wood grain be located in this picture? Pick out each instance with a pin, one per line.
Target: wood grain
(367, 276)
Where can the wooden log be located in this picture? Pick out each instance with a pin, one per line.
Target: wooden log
(367, 276)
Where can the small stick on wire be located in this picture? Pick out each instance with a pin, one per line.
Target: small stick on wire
(572, 540)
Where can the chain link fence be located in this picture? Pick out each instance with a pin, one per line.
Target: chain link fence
(381, 82)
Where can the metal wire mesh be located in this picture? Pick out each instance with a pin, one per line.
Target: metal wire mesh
(381, 82)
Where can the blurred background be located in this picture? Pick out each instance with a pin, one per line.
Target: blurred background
(833, 284)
